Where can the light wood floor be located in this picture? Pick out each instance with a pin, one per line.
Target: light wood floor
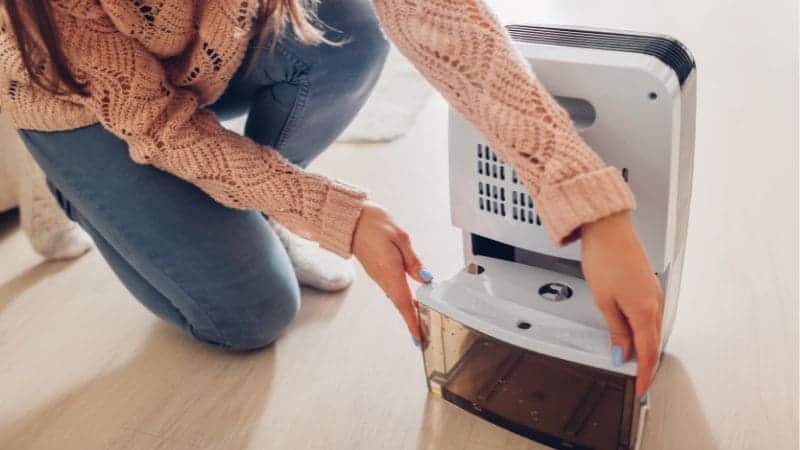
(83, 366)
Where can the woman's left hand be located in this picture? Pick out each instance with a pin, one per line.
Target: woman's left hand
(625, 290)
(384, 249)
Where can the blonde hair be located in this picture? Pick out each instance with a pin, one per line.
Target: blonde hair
(277, 16)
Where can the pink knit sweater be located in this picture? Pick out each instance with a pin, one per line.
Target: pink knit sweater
(153, 66)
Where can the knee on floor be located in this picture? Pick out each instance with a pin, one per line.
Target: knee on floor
(255, 320)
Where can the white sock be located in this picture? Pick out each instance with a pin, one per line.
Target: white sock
(65, 243)
(315, 266)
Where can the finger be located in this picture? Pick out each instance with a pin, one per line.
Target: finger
(619, 330)
(411, 263)
(646, 337)
(395, 285)
(404, 303)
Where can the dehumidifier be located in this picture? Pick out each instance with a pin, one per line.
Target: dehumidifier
(515, 337)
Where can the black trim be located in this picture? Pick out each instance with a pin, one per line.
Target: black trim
(667, 49)
(483, 246)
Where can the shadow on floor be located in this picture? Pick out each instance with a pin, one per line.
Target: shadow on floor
(317, 306)
(676, 420)
(173, 393)
(30, 277)
(9, 221)
(9, 290)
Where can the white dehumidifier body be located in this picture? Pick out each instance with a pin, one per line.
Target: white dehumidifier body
(515, 337)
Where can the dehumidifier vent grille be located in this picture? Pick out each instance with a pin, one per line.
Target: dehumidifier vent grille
(489, 164)
(497, 193)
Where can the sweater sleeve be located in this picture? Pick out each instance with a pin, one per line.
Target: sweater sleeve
(462, 49)
(164, 127)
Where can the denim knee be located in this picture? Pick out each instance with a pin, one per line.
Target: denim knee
(254, 318)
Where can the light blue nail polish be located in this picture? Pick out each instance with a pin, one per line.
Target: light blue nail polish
(616, 356)
(416, 342)
(644, 397)
(425, 275)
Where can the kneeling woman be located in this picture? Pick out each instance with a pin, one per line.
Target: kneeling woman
(107, 92)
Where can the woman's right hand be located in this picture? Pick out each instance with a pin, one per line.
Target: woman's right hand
(384, 249)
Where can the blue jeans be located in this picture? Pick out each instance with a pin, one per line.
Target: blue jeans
(219, 274)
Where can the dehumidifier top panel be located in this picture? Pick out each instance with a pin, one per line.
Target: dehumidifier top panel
(670, 51)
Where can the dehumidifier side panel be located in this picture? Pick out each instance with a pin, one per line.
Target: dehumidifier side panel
(683, 203)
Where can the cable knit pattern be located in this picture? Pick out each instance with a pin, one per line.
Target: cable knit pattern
(153, 65)
(160, 115)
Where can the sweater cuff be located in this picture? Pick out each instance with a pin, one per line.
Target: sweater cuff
(566, 206)
(340, 214)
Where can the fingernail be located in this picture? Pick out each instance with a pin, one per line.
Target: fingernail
(416, 341)
(644, 397)
(616, 356)
(425, 275)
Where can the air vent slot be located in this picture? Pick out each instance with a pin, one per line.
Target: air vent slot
(497, 194)
(492, 198)
(523, 208)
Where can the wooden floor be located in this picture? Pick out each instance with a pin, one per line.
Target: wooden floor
(84, 367)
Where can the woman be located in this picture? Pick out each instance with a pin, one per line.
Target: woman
(96, 86)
